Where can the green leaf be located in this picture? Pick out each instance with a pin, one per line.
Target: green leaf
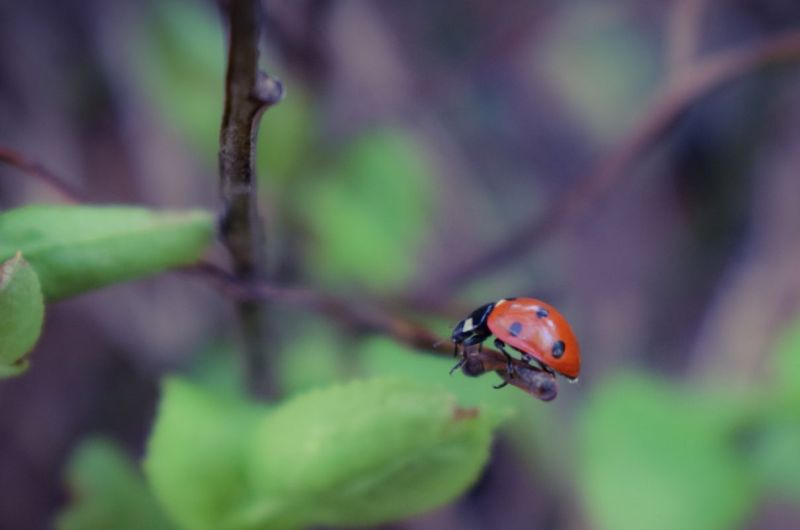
(180, 59)
(775, 457)
(286, 139)
(536, 427)
(787, 365)
(312, 357)
(370, 215)
(216, 367)
(775, 448)
(601, 65)
(108, 492)
(195, 459)
(364, 453)
(655, 457)
(79, 248)
(383, 357)
(21, 314)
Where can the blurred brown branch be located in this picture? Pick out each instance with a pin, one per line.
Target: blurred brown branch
(363, 318)
(36, 170)
(683, 33)
(693, 82)
(248, 92)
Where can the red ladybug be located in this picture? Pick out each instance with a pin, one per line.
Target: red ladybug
(530, 326)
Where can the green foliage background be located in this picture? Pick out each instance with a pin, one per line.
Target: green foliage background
(370, 431)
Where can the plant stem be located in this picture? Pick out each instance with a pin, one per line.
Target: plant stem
(366, 319)
(248, 92)
(695, 81)
(36, 170)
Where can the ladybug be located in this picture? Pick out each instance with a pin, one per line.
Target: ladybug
(532, 327)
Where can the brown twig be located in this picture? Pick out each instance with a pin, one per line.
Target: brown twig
(36, 170)
(248, 92)
(693, 83)
(683, 33)
(370, 320)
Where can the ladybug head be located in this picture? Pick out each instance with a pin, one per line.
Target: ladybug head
(462, 331)
(472, 329)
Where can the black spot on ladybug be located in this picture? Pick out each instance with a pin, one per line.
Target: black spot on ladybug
(542, 313)
(515, 329)
(558, 349)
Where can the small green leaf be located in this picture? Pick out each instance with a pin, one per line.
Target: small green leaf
(603, 67)
(179, 56)
(195, 461)
(108, 492)
(312, 358)
(656, 457)
(787, 365)
(286, 139)
(775, 445)
(370, 215)
(365, 453)
(79, 248)
(21, 314)
(775, 456)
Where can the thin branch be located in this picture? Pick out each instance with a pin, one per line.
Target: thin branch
(248, 92)
(36, 170)
(694, 83)
(364, 319)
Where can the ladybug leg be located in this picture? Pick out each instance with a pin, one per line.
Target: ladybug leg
(459, 364)
(543, 367)
(500, 345)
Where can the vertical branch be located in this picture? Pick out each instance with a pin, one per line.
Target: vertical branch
(248, 92)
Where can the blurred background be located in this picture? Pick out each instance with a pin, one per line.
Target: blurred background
(430, 157)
